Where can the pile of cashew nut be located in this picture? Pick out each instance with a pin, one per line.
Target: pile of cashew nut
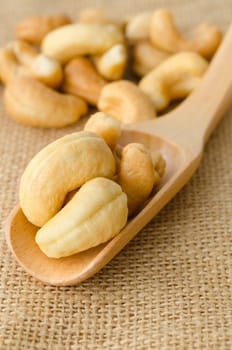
(57, 67)
(80, 189)
(54, 70)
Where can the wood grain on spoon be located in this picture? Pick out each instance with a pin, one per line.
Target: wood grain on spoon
(180, 136)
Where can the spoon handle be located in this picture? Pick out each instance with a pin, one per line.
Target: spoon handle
(204, 108)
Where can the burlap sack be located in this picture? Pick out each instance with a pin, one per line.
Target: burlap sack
(170, 288)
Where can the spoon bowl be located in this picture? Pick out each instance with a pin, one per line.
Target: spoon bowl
(179, 136)
(78, 267)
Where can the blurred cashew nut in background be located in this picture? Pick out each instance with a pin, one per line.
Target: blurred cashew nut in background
(147, 57)
(30, 102)
(175, 78)
(112, 63)
(34, 28)
(9, 65)
(137, 27)
(105, 126)
(204, 39)
(72, 40)
(126, 102)
(82, 79)
(45, 69)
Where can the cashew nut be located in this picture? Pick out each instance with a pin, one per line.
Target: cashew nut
(47, 70)
(62, 166)
(80, 39)
(33, 103)
(99, 15)
(136, 174)
(84, 223)
(82, 79)
(175, 78)
(126, 102)
(146, 57)
(205, 39)
(111, 65)
(43, 68)
(159, 165)
(138, 26)
(105, 126)
(33, 29)
(24, 52)
(8, 65)
(117, 152)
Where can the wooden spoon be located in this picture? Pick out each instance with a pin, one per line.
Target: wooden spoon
(180, 136)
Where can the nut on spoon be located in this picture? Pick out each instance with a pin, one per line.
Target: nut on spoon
(180, 136)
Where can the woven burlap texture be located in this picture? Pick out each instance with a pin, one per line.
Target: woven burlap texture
(170, 288)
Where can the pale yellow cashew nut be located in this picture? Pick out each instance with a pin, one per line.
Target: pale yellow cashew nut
(126, 102)
(59, 168)
(175, 78)
(204, 39)
(85, 223)
(111, 65)
(45, 69)
(105, 126)
(24, 53)
(9, 65)
(146, 57)
(32, 103)
(138, 27)
(159, 165)
(72, 40)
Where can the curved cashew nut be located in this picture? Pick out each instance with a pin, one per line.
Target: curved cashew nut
(47, 70)
(99, 15)
(62, 166)
(33, 103)
(159, 165)
(111, 65)
(105, 126)
(126, 102)
(33, 29)
(82, 79)
(84, 223)
(80, 39)
(8, 65)
(138, 26)
(136, 174)
(175, 78)
(146, 57)
(24, 52)
(164, 34)
(43, 68)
